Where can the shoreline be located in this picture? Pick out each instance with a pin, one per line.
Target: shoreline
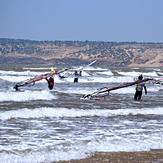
(152, 156)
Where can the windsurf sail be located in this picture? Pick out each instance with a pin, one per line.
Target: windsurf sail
(32, 81)
(84, 67)
(71, 71)
(90, 64)
(158, 81)
(105, 91)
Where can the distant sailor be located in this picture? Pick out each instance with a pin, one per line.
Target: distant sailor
(77, 75)
(139, 89)
(50, 81)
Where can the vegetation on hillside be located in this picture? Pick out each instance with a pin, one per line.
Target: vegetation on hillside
(112, 53)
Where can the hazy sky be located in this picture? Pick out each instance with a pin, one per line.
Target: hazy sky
(104, 20)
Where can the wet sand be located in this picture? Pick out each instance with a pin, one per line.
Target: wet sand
(153, 156)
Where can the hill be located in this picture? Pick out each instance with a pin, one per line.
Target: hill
(123, 54)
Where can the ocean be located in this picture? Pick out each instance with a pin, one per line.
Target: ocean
(39, 125)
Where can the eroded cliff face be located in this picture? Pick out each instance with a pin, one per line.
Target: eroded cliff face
(145, 55)
(147, 60)
(109, 53)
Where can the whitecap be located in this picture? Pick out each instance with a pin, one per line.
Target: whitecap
(136, 74)
(64, 112)
(21, 73)
(26, 96)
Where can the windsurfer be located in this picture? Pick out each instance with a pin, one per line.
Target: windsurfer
(77, 75)
(139, 89)
(50, 81)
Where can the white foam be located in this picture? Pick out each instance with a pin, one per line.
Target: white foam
(160, 73)
(109, 73)
(44, 156)
(156, 69)
(64, 112)
(111, 142)
(36, 68)
(90, 68)
(119, 143)
(14, 78)
(76, 90)
(86, 78)
(113, 79)
(136, 74)
(26, 96)
(85, 73)
(22, 73)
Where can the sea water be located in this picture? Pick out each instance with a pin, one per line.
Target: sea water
(38, 125)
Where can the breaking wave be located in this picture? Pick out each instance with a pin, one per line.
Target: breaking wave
(136, 74)
(64, 112)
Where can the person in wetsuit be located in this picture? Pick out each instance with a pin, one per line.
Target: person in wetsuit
(139, 89)
(77, 75)
(50, 81)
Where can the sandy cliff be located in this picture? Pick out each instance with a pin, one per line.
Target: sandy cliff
(121, 54)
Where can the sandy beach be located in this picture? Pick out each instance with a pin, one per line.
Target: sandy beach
(153, 156)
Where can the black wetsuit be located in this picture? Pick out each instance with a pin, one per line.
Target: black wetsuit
(16, 87)
(50, 81)
(76, 77)
(139, 90)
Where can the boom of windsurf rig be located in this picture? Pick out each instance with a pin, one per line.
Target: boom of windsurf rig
(32, 81)
(105, 90)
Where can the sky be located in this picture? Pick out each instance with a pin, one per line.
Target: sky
(94, 20)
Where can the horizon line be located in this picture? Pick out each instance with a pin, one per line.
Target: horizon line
(43, 40)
